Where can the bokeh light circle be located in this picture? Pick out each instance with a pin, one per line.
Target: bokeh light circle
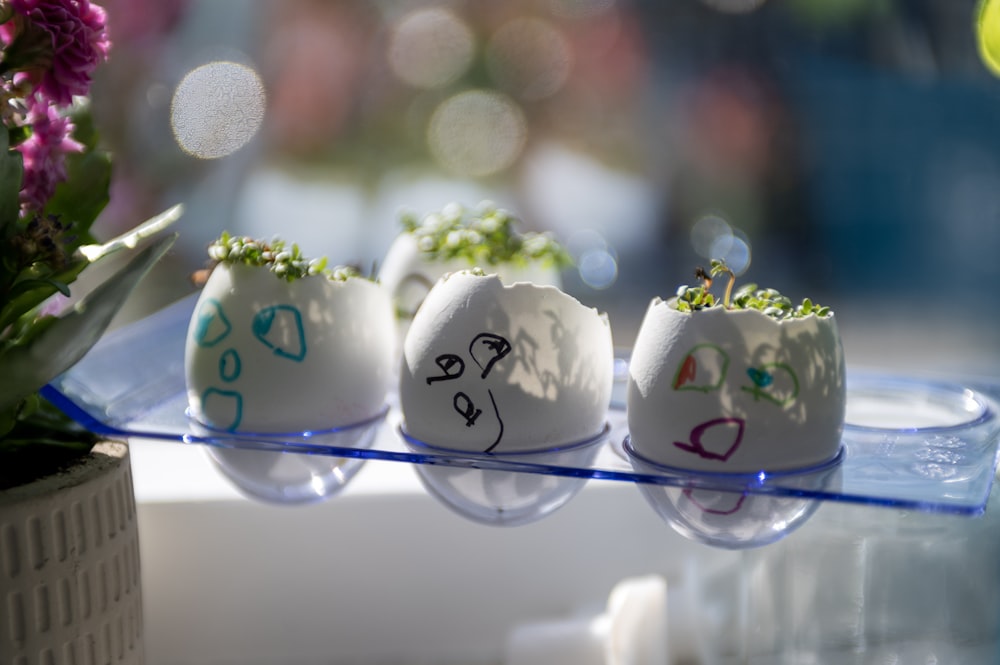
(735, 251)
(529, 57)
(598, 268)
(216, 109)
(709, 234)
(596, 261)
(430, 48)
(477, 133)
(712, 237)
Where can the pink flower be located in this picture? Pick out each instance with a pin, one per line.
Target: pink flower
(79, 41)
(45, 152)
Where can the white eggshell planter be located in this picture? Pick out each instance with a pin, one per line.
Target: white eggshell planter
(491, 368)
(409, 274)
(266, 355)
(735, 391)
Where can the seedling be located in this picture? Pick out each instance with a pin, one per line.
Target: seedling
(484, 236)
(748, 296)
(285, 261)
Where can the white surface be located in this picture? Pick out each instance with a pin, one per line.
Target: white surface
(381, 573)
(632, 630)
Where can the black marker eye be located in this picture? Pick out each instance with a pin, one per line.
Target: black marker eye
(486, 349)
(451, 365)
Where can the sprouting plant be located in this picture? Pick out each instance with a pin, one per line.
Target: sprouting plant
(285, 261)
(486, 235)
(748, 296)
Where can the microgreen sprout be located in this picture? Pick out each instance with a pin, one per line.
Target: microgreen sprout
(485, 235)
(748, 296)
(285, 261)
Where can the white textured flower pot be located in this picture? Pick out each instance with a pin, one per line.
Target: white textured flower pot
(735, 391)
(69, 566)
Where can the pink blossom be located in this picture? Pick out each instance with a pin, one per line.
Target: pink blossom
(79, 35)
(45, 152)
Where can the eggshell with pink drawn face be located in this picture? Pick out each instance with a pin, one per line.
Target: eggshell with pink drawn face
(494, 368)
(735, 390)
(266, 355)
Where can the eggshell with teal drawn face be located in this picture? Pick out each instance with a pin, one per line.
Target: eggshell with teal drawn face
(735, 390)
(498, 369)
(409, 275)
(266, 355)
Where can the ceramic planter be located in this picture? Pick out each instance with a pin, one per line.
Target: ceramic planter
(69, 566)
(266, 355)
(735, 391)
(499, 369)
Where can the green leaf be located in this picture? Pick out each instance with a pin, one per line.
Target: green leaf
(27, 368)
(47, 284)
(84, 194)
(11, 174)
(131, 239)
(21, 304)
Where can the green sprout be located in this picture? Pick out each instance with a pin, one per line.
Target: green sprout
(749, 296)
(486, 235)
(285, 261)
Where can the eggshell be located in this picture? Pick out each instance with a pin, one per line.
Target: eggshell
(266, 355)
(735, 390)
(495, 368)
(409, 275)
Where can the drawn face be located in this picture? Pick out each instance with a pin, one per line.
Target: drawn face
(264, 355)
(479, 413)
(503, 374)
(735, 391)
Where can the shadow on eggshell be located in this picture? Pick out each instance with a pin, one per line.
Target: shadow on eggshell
(409, 275)
(494, 368)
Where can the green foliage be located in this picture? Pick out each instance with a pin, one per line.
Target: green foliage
(748, 296)
(37, 346)
(11, 171)
(484, 236)
(285, 261)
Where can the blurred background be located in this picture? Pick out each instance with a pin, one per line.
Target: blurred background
(844, 150)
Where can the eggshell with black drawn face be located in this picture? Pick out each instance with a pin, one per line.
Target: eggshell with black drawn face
(494, 368)
(266, 355)
(735, 390)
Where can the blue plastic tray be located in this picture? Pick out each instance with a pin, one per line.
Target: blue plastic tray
(909, 443)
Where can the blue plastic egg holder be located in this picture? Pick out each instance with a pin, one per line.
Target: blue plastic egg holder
(909, 443)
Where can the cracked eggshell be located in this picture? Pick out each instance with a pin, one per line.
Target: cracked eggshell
(735, 390)
(494, 368)
(266, 355)
(409, 275)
